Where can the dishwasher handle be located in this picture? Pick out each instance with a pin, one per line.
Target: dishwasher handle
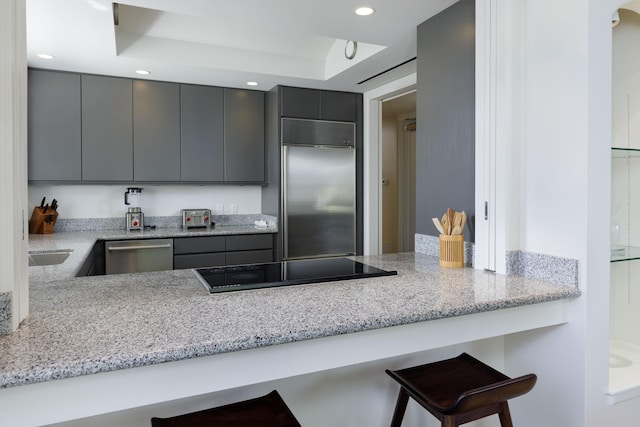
(132, 248)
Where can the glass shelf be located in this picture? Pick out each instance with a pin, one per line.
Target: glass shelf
(624, 253)
(621, 153)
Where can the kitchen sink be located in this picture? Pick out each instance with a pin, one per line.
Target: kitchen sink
(48, 258)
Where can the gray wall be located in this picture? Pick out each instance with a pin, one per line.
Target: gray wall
(445, 147)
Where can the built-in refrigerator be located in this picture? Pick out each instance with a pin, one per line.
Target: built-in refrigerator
(318, 188)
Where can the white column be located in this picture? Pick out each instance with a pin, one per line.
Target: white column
(13, 164)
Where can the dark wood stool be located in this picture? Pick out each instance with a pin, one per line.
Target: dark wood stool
(266, 411)
(459, 390)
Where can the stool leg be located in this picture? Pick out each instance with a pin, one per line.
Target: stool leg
(449, 421)
(401, 406)
(505, 416)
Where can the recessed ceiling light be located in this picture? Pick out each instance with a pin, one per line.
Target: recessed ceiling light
(252, 83)
(364, 11)
(45, 56)
(142, 72)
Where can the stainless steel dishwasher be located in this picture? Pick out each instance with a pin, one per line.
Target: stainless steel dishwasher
(136, 256)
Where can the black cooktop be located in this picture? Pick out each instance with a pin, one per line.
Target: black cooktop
(286, 273)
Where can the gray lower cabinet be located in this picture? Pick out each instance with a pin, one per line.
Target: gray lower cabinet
(107, 139)
(215, 251)
(249, 249)
(244, 136)
(54, 128)
(184, 261)
(201, 133)
(156, 131)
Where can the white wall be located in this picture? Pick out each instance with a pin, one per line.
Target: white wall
(13, 155)
(564, 208)
(542, 69)
(104, 201)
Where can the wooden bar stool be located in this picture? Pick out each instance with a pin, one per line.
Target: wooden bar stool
(459, 390)
(266, 411)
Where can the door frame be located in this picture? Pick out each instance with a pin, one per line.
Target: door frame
(372, 114)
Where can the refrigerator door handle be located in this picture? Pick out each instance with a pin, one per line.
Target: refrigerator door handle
(285, 214)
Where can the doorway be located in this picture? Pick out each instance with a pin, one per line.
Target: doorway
(398, 173)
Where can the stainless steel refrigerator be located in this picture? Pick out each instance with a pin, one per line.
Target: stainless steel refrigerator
(318, 188)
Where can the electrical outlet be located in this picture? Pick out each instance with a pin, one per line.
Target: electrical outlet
(233, 208)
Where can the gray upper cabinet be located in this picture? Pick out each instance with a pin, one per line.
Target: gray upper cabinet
(107, 129)
(201, 133)
(244, 136)
(156, 131)
(98, 129)
(54, 127)
(318, 104)
(339, 106)
(300, 103)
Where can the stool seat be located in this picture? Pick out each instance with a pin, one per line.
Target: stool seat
(266, 411)
(459, 390)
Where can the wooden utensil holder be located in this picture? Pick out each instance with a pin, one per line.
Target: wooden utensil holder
(452, 251)
(38, 223)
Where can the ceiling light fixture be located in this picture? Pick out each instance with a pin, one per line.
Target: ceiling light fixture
(142, 72)
(45, 56)
(252, 83)
(364, 11)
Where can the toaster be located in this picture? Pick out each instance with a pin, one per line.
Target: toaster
(196, 218)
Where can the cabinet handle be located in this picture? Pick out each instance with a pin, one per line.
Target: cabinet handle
(130, 248)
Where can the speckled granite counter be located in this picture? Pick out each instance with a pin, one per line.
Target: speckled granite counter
(81, 242)
(81, 326)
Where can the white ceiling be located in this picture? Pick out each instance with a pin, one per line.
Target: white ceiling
(227, 43)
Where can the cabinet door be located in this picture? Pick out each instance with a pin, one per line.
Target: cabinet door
(156, 131)
(107, 126)
(198, 260)
(201, 133)
(201, 244)
(249, 257)
(339, 106)
(243, 135)
(300, 103)
(54, 126)
(249, 242)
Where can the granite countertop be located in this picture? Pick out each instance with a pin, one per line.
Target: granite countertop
(86, 325)
(80, 244)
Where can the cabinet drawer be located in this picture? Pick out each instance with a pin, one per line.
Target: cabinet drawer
(196, 245)
(249, 257)
(198, 260)
(249, 242)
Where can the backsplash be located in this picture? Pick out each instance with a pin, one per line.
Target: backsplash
(548, 268)
(430, 245)
(562, 271)
(107, 201)
(93, 224)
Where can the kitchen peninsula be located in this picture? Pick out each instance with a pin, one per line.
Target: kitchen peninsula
(83, 333)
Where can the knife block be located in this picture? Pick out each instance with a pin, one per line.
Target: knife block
(452, 251)
(41, 222)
